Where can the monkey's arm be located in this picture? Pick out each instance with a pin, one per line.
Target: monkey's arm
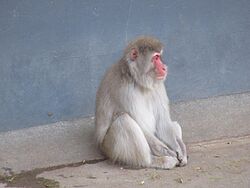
(171, 134)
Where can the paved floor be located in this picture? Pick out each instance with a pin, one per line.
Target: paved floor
(219, 163)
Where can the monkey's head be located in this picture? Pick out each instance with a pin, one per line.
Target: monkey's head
(144, 59)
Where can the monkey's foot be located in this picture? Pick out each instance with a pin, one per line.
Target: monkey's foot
(164, 162)
(170, 162)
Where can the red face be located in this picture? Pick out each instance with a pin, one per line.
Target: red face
(160, 68)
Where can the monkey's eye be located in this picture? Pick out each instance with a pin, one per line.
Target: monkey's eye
(156, 58)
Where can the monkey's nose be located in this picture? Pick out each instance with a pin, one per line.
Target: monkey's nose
(164, 67)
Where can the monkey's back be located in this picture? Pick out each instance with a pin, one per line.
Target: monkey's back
(105, 97)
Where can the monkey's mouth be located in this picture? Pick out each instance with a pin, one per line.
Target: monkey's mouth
(161, 77)
(162, 73)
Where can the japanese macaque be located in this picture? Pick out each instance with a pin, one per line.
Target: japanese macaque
(132, 119)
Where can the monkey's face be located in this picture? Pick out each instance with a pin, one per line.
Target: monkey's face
(154, 67)
(160, 68)
(145, 63)
(148, 64)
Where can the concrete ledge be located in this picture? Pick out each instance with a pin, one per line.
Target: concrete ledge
(70, 142)
(213, 118)
(47, 145)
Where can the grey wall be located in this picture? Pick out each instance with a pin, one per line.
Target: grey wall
(54, 53)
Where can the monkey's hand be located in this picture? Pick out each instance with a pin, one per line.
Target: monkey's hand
(182, 154)
(161, 149)
(158, 148)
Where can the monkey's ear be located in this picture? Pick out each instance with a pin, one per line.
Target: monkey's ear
(133, 54)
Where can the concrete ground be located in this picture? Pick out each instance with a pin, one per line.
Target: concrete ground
(63, 154)
(218, 163)
(221, 163)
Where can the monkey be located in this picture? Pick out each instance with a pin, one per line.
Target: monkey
(132, 118)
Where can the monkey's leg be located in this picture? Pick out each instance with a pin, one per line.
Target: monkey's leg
(126, 143)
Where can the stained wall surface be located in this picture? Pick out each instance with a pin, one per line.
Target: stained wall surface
(53, 53)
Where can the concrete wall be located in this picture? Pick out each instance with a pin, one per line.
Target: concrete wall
(54, 53)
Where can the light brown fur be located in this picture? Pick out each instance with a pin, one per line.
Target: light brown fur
(132, 122)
